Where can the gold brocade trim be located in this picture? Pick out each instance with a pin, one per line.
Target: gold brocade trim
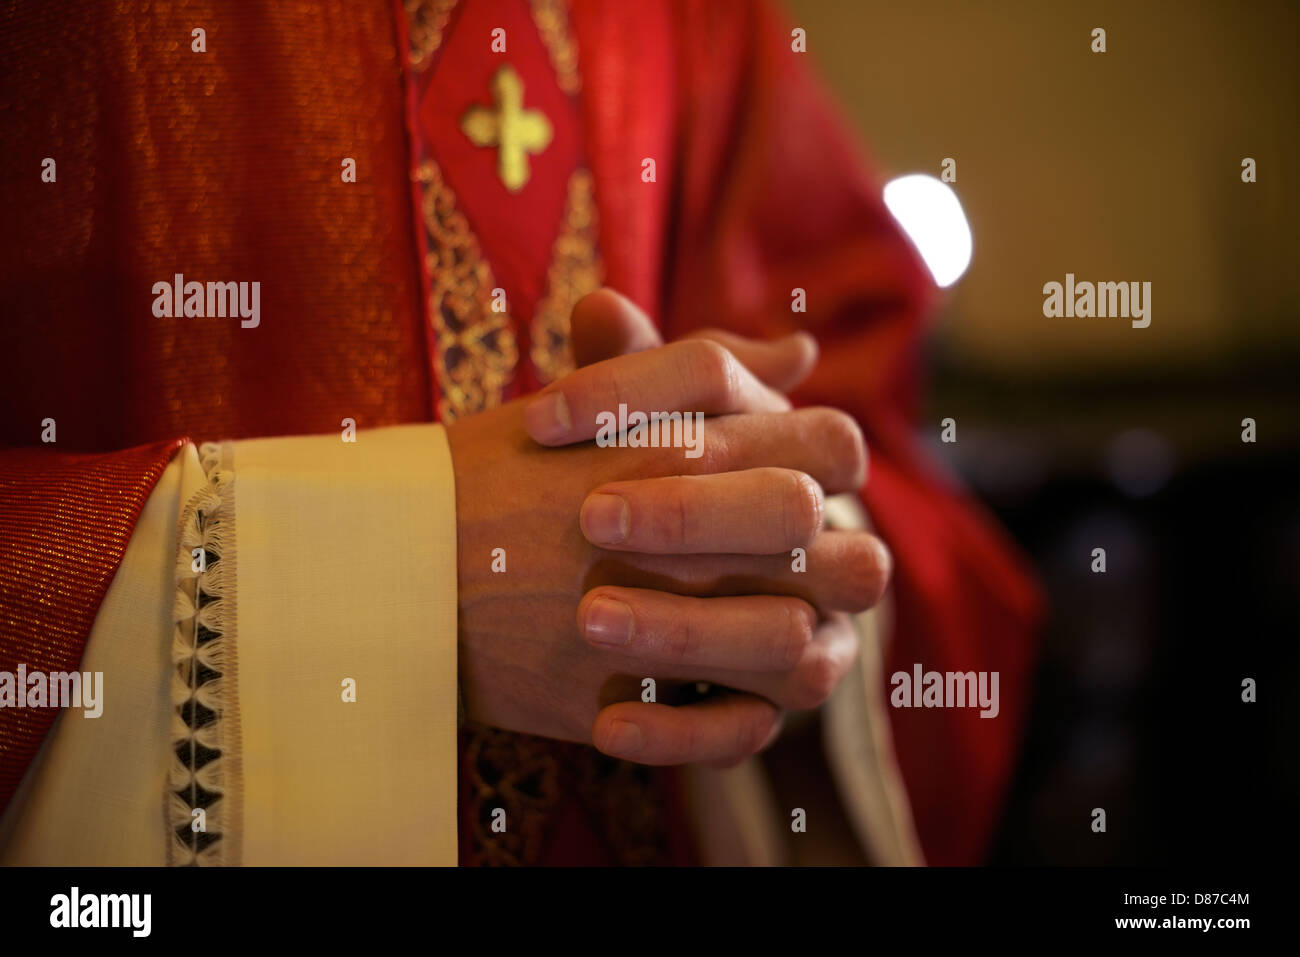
(517, 774)
(576, 269)
(427, 23)
(627, 803)
(527, 777)
(475, 346)
(552, 19)
(426, 20)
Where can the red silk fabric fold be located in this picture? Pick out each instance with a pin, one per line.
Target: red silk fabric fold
(65, 521)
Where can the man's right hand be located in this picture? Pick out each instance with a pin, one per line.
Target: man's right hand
(692, 579)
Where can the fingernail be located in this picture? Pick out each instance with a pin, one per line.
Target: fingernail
(623, 738)
(547, 419)
(605, 519)
(609, 622)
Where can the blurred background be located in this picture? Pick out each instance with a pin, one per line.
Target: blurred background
(1088, 433)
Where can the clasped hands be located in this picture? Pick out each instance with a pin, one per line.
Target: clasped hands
(622, 564)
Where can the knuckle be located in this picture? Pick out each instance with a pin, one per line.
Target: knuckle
(871, 566)
(817, 678)
(683, 641)
(717, 453)
(798, 635)
(718, 368)
(610, 390)
(672, 517)
(664, 461)
(803, 507)
(842, 436)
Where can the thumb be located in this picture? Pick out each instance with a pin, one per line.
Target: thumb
(779, 364)
(605, 324)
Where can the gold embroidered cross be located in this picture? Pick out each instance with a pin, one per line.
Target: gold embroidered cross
(516, 132)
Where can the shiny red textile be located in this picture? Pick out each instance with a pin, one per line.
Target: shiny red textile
(65, 520)
(224, 166)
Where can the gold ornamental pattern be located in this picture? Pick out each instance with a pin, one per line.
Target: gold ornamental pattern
(552, 20)
(426, 21)
(427, 24)
(475, 348)
(576, 269)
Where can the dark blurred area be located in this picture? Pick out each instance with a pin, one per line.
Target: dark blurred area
(1085, 433)
(1138, 701)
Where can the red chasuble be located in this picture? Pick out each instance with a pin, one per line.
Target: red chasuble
(498, 177)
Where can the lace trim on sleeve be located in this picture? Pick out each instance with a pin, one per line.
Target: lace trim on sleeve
(202, 800)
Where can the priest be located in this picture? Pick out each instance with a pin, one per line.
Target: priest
(356, 597)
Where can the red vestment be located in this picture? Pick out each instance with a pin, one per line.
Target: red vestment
(224, 166)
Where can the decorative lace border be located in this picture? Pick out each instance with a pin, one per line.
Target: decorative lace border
(205, 765)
